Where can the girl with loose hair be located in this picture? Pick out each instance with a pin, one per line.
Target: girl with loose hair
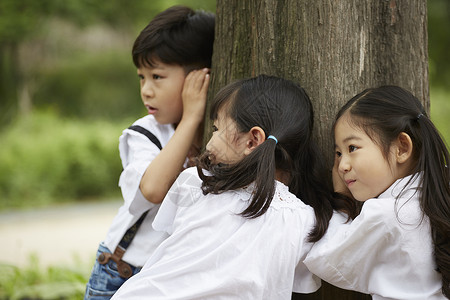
(391, 157)
(242, 222)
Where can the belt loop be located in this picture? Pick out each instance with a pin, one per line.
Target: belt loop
(124, 268)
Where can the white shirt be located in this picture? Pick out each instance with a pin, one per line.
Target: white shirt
(386, 251)
(136, 153)
(214, 253)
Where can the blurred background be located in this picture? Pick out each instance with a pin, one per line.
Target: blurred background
(68, 88)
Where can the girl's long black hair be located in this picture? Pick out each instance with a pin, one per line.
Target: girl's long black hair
(384, 113)
(282, 109)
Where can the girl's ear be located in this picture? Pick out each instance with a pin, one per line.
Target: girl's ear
(255, 137)
(404, 148)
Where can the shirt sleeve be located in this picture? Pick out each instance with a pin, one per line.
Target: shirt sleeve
(348, 255)
(184, 192)
(136, 153)
(304, 280)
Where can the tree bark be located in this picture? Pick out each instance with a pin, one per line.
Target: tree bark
(334, 49)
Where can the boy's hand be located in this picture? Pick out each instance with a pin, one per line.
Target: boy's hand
(339, 185)
(194, 94)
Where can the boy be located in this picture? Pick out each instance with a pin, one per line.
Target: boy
(172, 55)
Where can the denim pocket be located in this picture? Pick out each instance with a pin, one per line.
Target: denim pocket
(104, 280)
(93, 294)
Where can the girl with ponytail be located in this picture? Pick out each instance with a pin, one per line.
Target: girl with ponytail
(240, 224)
(391, 157)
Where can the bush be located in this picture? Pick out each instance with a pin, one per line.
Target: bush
(440, 110)
(102, 86)
(44, 159)
(35, 282)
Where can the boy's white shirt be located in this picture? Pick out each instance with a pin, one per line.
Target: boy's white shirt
(214, 253)
(383, 253)
(136, 153)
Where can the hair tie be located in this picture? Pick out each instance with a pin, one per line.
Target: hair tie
(273, 138)
(419, 116)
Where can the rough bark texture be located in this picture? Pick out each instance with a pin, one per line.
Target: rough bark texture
(334, 49)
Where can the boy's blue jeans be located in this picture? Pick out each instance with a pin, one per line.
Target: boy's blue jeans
(105, 279)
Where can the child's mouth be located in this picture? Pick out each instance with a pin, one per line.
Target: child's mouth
(350, 182)
(151, 110)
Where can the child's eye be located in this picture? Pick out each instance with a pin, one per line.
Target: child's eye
(214, 128)
(352, 148)
(156, 76)
(141, 77)
(338, 154)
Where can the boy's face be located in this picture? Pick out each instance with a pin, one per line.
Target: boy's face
(161, 87)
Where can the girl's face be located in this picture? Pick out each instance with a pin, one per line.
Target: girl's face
(361, 164)
(226, 145)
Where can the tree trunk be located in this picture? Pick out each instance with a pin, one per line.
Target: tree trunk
(334, 49)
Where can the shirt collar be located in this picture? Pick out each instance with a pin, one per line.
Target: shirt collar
(405, 186)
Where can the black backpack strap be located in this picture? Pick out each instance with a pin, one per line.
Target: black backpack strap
(131, 232)
(124, 268)
(148, 134)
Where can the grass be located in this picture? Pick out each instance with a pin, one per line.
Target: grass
(36, 282)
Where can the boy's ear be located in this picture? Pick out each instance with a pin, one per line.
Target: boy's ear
(256, 137)
(404, 148)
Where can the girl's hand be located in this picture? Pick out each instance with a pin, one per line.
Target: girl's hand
(194, 94)
(339, 185)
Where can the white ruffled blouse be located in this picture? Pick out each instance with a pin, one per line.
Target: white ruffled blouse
(214, 253)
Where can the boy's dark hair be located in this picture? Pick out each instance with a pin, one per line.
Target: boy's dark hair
(385, 112)
(179, 36)
(282, 109)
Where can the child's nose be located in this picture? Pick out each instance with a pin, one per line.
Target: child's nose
(209, 145)
(147, 90)
(344, 165)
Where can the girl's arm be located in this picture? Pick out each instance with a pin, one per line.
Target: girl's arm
(348, 255)
(164, 169)
(182, 194)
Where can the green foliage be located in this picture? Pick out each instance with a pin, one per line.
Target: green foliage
(35, 282)
(440, 111)
(119, 13)
(20, 18)
(439, 42)
(44, 159)
(91, 86)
